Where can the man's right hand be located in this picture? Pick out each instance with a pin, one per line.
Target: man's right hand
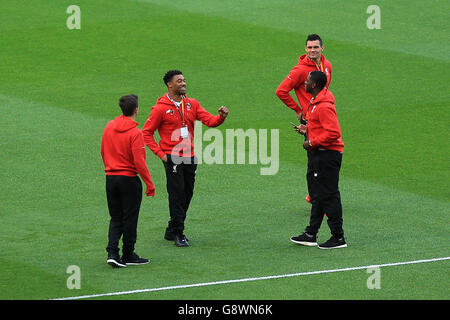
(150, 192)
(164, 158)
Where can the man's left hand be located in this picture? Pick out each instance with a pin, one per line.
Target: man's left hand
(223, 112)
(301, 129)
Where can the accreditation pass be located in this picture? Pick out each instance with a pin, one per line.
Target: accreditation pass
(184, 132)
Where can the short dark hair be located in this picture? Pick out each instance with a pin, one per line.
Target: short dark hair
(170, 74)
(313, 37)
(128, 104)
(319, 78)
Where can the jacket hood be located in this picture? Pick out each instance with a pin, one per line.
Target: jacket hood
(324, 96)
(164, 100)
(122, 124)
(304, 60)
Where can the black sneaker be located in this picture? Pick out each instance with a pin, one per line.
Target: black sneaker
(115, 261)
(169, 235)
(181, 241)
(334, 243)
(134, 260)
(305, 240)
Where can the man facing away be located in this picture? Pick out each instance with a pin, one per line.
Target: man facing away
(174, 117)
(325, 147)
(123, 154)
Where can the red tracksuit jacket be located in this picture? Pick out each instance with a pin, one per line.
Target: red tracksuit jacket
(165, 118)
(123, 151)
(323, 126)
(295, 80)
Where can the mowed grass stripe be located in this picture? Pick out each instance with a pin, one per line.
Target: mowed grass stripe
(253, 279)
(347, 23)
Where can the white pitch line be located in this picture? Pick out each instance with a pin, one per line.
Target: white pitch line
(204, 284)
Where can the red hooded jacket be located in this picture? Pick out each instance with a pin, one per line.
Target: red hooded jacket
(166, 118)
(295, 80)
(123, 151)
(323, 126)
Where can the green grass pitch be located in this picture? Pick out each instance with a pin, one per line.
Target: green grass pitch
(59, 87)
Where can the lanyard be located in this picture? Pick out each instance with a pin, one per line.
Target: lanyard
(182, 110)
(182, 107)
(319, 68)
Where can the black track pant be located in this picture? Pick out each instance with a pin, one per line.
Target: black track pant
(323, 185)
(124, 195)
(180, 175)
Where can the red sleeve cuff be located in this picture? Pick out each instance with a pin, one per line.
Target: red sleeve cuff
(160, 154)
